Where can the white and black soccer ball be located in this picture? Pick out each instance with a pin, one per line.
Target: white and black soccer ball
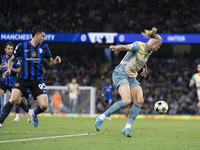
(161, 107)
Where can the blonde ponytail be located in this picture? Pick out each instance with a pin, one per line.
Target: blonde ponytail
(152, 34)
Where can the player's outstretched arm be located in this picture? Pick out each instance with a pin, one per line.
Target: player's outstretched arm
(10, 64)
(191, 84)
(120, 47)
(1, 66)
(68, 90)
(16, 70)
(144, 72)
(55, 61)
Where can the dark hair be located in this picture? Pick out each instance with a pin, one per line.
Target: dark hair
(9, 43)
(37, 29)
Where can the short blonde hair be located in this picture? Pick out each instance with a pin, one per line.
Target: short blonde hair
(152, 34)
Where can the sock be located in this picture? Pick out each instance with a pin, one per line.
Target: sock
(29, 106)
(17, 109)
(102, 117)
(114, 108)
(135, 109)
(17, 115)
(5, 112)
(38, 110)
(128, 126)
(73, 111)
(24, 106)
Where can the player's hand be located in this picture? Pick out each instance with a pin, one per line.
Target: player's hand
(6, 73)
(144, 73)
(58, 59)
(113, 48)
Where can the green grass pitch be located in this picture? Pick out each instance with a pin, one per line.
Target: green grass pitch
(147, 134)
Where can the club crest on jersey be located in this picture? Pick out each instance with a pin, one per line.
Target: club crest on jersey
(124, 80)
(40, 50)
(16, 84)
(34, 54)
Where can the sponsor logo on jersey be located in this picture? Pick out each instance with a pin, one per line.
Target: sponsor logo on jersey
(124, 80)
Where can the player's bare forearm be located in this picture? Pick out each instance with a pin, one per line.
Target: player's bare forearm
(10, 64)
(78, 92)
(68, 90)
(144, 72)
(55, 61)
(145, 66)
(191, 84)
(1, 67)
(120, 47)
(16, 70)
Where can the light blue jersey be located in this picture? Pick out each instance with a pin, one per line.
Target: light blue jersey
(127, 71)
(196, 79)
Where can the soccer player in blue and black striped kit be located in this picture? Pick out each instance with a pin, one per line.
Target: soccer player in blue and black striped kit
(7, 83)
(32, 54)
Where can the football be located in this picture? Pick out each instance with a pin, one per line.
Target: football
(161, 107)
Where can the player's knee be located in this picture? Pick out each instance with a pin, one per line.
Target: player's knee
(140, 101)
(15, 101)
(44, 106)
(127, 101)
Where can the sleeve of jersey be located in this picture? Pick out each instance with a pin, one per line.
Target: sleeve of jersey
(135, 47)
(47, 53)
(18, 50)
(16, 64)
(192, 79)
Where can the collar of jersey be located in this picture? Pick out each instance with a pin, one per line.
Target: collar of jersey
(32, 45)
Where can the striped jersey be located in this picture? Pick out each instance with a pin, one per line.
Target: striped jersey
(32, 59)
(10, 79)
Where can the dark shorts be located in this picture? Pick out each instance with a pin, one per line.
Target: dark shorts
(108, 101)
(5, 87)
(27, 95)
(37, 87)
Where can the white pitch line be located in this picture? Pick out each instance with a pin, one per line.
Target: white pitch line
(10, 132)
(43, 138)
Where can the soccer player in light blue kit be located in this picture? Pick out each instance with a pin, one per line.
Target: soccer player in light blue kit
(124, 77)
(74, 91)
(195, 80)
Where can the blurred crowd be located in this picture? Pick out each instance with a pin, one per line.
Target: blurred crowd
(84, 68)
(168, 16)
